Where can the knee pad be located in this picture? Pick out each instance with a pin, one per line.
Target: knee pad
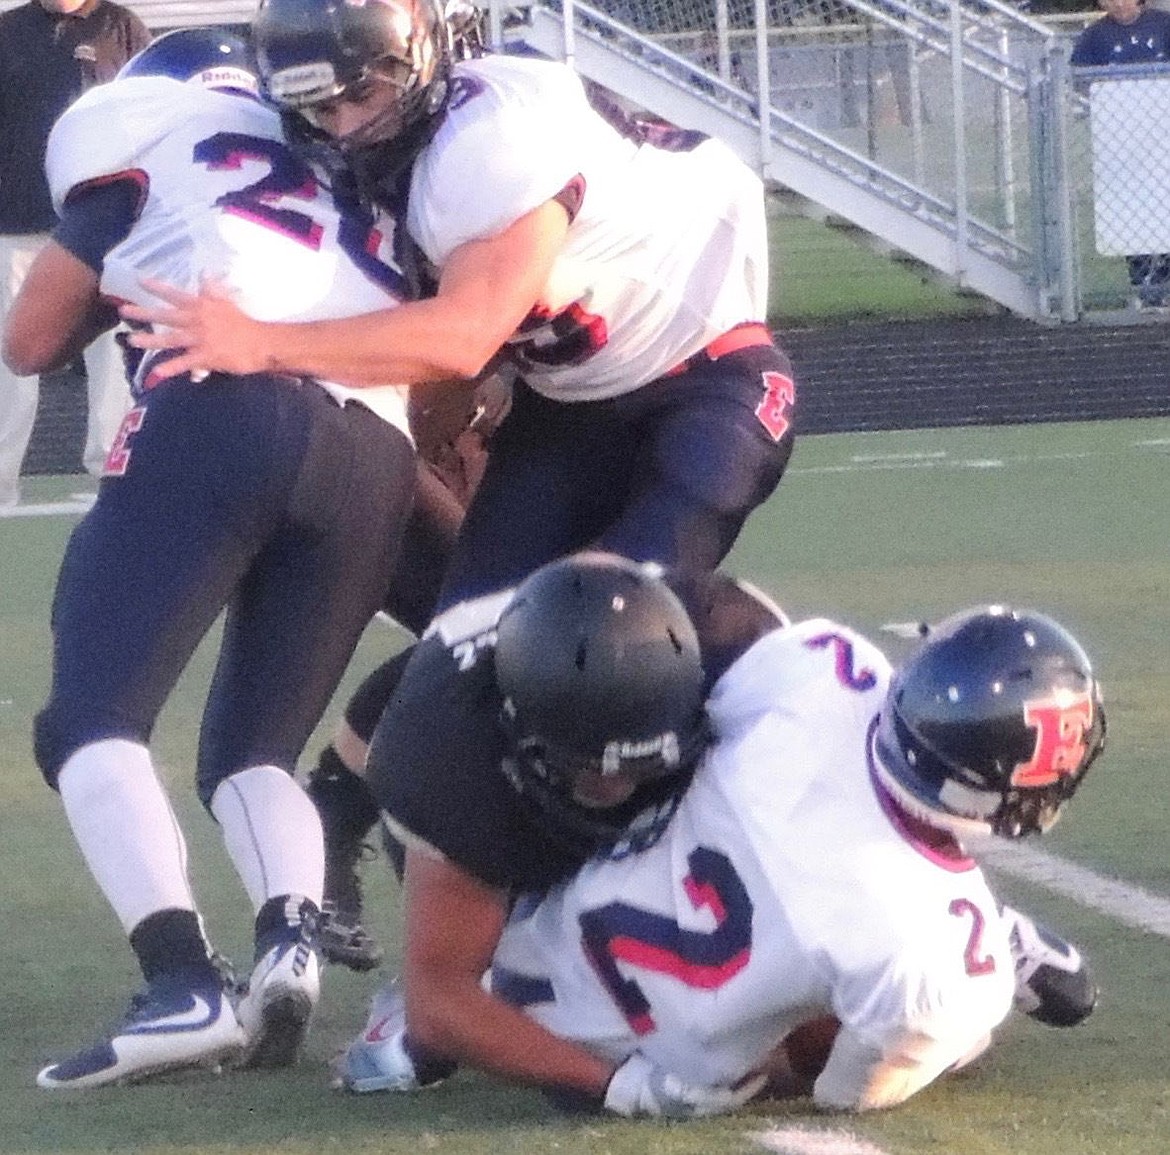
(58, 735)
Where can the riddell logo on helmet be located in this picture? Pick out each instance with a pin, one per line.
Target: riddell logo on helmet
(1061, 724)
(616, 753)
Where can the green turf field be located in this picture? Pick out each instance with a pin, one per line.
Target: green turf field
(875, 529)
(824, 274)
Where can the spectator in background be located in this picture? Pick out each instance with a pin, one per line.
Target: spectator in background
(51, 51)
(1131, 33)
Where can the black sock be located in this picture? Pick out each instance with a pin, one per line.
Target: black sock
(283, 919)
(171, 941)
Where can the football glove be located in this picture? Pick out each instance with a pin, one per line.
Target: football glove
(1054, 984)
(640, 1087)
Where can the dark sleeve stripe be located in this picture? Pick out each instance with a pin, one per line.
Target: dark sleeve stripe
(99, 214)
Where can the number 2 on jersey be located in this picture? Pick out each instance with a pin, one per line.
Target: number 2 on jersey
(619, 931)
(289, 177)
(974, 958)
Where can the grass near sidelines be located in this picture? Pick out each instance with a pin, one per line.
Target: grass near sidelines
(821, 274)
(874, 529)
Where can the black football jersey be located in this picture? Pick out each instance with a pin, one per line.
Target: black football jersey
(437, 761)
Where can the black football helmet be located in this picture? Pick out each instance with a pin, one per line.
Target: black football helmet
(211, 57)
(311, 51)
(992, 725)
(598, 666)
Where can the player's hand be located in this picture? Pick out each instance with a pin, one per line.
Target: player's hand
(640, 1087)
(381, 1059)
(209, 330)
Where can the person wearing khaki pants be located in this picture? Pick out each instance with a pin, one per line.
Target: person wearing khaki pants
(108, 393)
(51, 51)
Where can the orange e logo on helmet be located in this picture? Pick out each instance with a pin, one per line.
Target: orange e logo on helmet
(1061, 724)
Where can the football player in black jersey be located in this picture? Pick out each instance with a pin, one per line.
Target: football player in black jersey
(531, 731)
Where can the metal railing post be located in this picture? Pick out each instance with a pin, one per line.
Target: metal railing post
(763, 84)
(958, 101)
(723, 39)
(568, 7)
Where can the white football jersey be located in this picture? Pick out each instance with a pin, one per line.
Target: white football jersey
(784, 888)
(668, 249)
(224, 196)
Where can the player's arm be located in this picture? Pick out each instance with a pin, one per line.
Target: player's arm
(486, 288)
(453, 924)
(58, 310)
(55, 315)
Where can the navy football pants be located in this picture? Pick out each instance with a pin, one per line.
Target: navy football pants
(261, 496)
(666, 473)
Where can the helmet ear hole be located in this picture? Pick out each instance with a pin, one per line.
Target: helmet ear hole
(598, 666)
(992, 725)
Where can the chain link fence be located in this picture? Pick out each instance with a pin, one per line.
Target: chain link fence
(968, 117)
(1120, 150)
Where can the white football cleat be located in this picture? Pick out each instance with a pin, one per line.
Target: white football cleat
(379, 1060)
(172, 1024)
(282, 994)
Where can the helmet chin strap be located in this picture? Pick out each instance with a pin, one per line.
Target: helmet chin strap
(382, 169)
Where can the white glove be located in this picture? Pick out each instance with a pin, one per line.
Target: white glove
(639, 1087)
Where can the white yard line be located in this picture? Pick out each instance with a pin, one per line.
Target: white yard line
(1121, 901)
(77, 503)
(813, 1141)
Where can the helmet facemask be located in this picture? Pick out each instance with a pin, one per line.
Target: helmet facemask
(547, 777)
(315, 52)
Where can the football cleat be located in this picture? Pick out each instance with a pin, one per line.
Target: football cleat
(347, 814)
(347, 942)
(379, 1059)
(172, 1024)
(282, 994)
(1054, 984)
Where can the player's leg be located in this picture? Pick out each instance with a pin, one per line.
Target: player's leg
(348, 812)
(453, 449)
(18, 395)
(336, 784)
(289, 635)
(714, 444)
(556, 473)
(144, 576)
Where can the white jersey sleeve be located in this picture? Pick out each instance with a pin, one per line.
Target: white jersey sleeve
(783, 889)
(667, 249)
(506, 146)
(224, 197)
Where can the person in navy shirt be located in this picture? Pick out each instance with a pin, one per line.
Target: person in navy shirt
(1131, 33)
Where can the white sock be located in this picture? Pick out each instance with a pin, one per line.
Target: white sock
(126, 829)
(272, 832)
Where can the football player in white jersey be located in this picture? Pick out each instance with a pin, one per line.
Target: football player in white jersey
(281, 501)
(812, 867)
(819, 863)
(622, 268)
